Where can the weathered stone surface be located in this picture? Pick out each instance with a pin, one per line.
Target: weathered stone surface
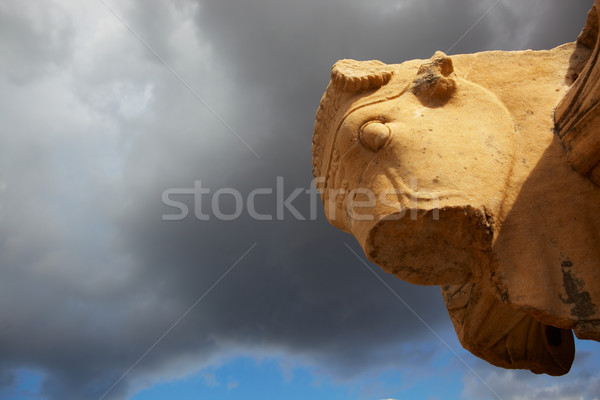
(448, 172)
(578, 113)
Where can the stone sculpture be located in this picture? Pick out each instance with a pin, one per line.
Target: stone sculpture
(479, 173)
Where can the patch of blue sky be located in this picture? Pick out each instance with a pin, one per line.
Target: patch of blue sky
(25, 385)
(249, 378)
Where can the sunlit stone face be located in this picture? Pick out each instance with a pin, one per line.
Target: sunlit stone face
(465, 178)
(403, 171)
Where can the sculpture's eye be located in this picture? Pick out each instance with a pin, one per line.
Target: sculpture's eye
(374, 135)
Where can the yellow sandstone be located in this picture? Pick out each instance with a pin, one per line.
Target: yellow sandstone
(479, 173)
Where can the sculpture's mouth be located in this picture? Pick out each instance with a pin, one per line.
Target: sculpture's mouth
(443, 243)
(401, 224)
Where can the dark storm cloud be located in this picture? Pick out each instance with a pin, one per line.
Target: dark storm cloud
(92, 290)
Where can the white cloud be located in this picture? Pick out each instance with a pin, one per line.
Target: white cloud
(232, 385)
(580, 384)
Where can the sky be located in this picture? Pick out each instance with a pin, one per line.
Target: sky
(236, 286)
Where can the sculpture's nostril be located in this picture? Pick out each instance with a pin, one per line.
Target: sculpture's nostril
(553, 335)
(374, 135)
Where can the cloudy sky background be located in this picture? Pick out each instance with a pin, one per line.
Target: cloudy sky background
(104, 106)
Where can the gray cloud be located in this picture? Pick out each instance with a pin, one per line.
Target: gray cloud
(91, 275)
(37, 36)
(583, 382)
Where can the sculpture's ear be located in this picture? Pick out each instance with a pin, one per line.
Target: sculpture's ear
(356, 76)
(436, 81)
